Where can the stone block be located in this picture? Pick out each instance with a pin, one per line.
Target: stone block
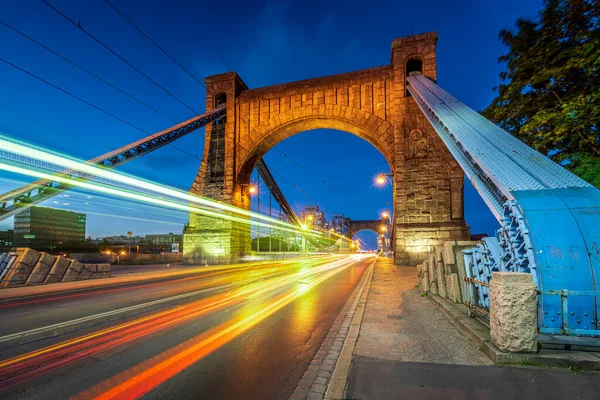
(513, 312)
(58, 270)
(41, 269)
(449, 252)
(454, 291)
(87, 271)
(73, 271)
(441, 280)
(22, 267)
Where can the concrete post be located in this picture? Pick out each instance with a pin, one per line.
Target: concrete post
(513, 312)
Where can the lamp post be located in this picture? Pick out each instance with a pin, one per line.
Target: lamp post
(130, 234)
(252, 190)
(383, 179)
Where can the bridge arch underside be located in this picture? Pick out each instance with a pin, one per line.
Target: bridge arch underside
(268, 136)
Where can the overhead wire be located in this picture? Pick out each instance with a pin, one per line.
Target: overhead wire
(154, 43)
(84, 101)
(87, 71)
(82, 29)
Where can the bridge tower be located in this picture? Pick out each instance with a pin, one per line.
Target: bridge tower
(373, 104)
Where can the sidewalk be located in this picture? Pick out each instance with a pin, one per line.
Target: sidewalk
(407, 348)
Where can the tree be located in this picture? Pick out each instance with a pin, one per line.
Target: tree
(550, 95)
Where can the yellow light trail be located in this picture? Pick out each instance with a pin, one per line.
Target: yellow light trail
(151, 373)
(73, 165)
(120, 192)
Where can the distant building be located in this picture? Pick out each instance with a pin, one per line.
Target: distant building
(312, 217)
(339, 224)
(44, 228)
(120, 239)
(6, 239)
(166, 242)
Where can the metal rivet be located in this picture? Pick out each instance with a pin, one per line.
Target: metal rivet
(552, 319)
(578, 321)
(572, 313)
(585, 314)
(545, 312)
(558, 313)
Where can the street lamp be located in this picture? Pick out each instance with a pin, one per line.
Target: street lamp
(382, 179)
(383, 229)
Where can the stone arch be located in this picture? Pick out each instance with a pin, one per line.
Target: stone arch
(371, 104)
(377, 132)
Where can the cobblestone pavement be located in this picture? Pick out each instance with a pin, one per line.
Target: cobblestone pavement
(400, 325)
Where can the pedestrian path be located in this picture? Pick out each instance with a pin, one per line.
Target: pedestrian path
(408, 349)
(401, 325)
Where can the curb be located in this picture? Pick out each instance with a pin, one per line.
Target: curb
(481, 335)
(322, 369)
(337, 386)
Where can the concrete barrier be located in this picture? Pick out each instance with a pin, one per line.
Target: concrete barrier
(73, 271)
(29, 267)
(59, 268)
(22, 267)
(41, 269)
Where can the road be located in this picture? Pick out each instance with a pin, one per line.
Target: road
(247, 331)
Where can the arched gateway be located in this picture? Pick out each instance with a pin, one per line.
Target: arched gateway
(372, 104)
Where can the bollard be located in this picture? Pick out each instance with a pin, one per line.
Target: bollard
(513, 312)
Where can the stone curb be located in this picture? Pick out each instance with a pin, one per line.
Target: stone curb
(481, 335)
(318, 375)
(339, 379)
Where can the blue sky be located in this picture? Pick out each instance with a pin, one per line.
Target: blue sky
(266, 42)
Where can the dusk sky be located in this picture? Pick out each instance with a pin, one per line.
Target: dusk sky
(266, 42)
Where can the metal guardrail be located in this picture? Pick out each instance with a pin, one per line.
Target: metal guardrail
(472, 287)
(567, 326)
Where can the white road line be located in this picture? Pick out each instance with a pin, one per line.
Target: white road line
(107, 314)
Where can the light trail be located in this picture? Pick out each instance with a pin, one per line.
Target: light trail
(96, 187)
(151, 373)
(24, 367)
(11, 147)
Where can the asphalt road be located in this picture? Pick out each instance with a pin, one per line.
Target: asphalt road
(246, 332)
(373, 379)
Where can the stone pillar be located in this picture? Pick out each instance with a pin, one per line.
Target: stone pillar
(513, 312)
(428, 203)
(211, 239)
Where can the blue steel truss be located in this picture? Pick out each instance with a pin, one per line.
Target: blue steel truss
(550, 218)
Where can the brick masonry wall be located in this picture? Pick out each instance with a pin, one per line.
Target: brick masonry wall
(372, 104)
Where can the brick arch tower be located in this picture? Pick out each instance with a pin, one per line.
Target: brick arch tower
(372, 104)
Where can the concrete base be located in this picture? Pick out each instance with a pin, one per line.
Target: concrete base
(513, 312)
(215, 241)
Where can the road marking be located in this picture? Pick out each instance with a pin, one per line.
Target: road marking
(108, 313)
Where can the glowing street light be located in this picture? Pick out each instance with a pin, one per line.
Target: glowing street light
(385, 214)
(382, 179)
(383, 229)
(304, 226)
(252, 189)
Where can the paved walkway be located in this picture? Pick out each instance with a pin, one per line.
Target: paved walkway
(400, 325)
(408, 349)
